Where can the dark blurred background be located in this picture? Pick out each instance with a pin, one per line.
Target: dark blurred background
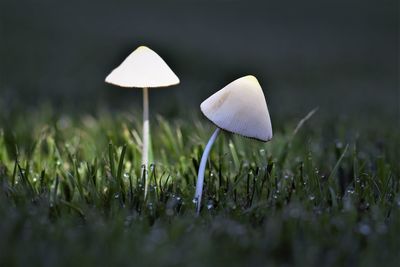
(341, 55)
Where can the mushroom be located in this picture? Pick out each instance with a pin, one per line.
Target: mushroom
(143, 68)
(241, 108)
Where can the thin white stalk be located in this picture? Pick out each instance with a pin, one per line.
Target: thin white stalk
(146, 134)
(202, 167)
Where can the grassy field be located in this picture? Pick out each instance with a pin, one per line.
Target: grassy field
(71, 193)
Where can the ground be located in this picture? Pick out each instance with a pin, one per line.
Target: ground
(325, 194)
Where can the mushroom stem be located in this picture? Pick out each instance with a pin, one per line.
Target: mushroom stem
(200, 176)
(146, 135)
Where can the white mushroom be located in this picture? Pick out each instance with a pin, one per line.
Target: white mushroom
(241, 108)
(143, 68)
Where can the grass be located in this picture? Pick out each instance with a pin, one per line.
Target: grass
(71, 193)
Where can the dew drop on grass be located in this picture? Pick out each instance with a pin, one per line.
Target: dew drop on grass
(311, 197)
(364, 229)
(350, 190)
(126, 175)
(339, 144)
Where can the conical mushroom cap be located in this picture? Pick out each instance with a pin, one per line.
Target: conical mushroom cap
(143, 68)
(240, 108)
